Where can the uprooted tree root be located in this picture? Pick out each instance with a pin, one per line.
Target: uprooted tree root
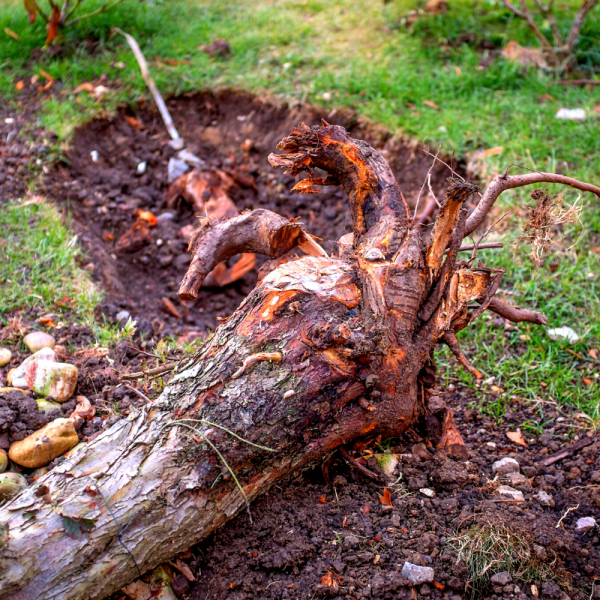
(544, 217)
(324, 351)
(490, 548)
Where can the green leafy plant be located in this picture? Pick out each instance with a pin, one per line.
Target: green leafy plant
(59, 17)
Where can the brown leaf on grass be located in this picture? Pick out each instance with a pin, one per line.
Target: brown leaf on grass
(219, 47)
(47, 321)
(431, 104)
(53, 23)
(587, 381)
(84, 87)
(181, 566)
(12, 34)
(516, 437)
(31, 8)
(386, 498)
(174, 63)
(19, 85)
(523, 55)
(593, 353)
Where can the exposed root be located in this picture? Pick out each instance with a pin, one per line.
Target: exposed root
(452, 342)
(357, 465)
(516, 314)
(545, 215)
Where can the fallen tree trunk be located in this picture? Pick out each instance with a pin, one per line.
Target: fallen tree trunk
(322, 352)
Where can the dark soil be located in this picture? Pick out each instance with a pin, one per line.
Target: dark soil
(308, 538)
(105, 196)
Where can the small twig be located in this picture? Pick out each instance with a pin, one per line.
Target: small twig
(449, 338)
(150, 372)
(581, 357)
(480, 246)
(424, 182)
(152, 355)
(482, 237)
(138, 393)
(580, 82)
(104, 8)
(356, 464)
(568, 451)
(427, 211)
(454, 173)
(162, 107)
(431, 190)
(570, 509)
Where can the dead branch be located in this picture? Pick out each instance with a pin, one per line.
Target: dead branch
(516, 314)
(508, 182)
(452, 342)
(524, 14)
(260, 231)
(578, 21)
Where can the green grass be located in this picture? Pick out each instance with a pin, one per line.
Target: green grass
(527, 365)
(38, 263)
(361, 55)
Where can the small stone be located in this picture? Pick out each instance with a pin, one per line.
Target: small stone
(36, 340)
(518, 481)
(545, 499)
(540, 551)
(122, 315)
(491, 445)
(44, 445)
(387, 463)
(506, 465)
(416, 574)
(502, 578)
(427, 492)
(47, 406)
(176, 168)
(3, 461)
(5, 356)
(585, 524)
(53, 380)
(563, 334)
(508, 493)
(351, 540)
(16, 377)
(11, 484)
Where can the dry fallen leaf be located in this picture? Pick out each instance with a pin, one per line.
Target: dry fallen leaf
(12, 34)
(431, 104)
(366, 509)
(587, 381)
(47, 321)
(134, 122)
(322, 500)
(330, 581)
(147, 216)
(179, 564)
(593, 353)
(19, 85)
(53, 22)
(169, 307)
(516, 437)
(386, 498)
(84, 87)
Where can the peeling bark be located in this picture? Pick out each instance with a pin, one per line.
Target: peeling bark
(323, 351)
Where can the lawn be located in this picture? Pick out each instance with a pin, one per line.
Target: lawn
(421, 82)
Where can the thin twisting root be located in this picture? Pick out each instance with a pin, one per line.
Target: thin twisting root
(450, 339)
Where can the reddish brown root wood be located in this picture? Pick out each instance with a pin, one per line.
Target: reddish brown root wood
(324, 351)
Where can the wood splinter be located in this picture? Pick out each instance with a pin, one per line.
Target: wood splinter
(252, 360)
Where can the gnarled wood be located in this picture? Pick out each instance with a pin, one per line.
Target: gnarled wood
(323, 351)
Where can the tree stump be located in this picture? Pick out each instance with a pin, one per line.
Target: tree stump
(325, 350)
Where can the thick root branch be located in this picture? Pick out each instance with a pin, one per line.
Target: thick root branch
(516, 314)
